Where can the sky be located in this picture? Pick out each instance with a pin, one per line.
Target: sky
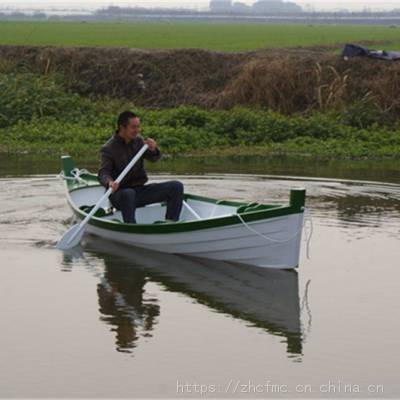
(196, 4)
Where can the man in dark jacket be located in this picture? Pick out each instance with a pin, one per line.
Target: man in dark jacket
(132, 192)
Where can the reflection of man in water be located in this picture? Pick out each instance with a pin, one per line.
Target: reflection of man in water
(122, 304)
(132, 191)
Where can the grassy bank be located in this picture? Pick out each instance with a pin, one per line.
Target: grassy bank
(211, 36)
(38, 116)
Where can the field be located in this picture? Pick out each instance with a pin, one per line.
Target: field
(212, 36)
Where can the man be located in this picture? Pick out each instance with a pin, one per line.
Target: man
(132, 192)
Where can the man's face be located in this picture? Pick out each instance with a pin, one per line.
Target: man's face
(132, 129)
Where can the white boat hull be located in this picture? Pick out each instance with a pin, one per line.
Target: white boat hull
(236, 243)
(262, 235)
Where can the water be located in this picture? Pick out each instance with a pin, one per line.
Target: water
(382, 170)
(106, 321)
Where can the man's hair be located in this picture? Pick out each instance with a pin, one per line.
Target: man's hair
(124, 117)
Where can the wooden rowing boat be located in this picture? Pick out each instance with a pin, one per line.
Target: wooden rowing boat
(265, 235)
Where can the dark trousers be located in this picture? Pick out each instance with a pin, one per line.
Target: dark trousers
(128, 199)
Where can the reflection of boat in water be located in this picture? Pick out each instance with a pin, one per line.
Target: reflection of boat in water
(267, 298)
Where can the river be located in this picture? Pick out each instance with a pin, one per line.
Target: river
(106, 321)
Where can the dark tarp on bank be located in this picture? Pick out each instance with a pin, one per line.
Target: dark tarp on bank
(353, 50)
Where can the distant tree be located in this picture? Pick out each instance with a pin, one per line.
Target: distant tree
(241, 8)
(276, 6)
(39, 15)
(220, 5)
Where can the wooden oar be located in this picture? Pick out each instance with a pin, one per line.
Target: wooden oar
(73, 236)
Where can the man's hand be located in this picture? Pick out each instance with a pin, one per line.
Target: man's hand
(113, 185)
(151, 143)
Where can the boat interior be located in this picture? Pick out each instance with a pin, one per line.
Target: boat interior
(194, 207)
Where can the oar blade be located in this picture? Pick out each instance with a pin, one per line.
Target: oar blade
(71, 238)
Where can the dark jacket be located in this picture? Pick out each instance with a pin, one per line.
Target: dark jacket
(116, 155)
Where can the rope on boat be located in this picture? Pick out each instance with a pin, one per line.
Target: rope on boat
(308, 231)
(76, 175)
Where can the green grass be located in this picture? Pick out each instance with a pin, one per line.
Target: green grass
(219, 37)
